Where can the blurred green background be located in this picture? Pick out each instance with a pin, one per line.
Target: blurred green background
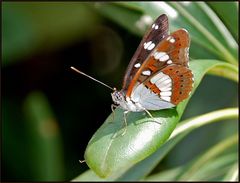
(49, 113)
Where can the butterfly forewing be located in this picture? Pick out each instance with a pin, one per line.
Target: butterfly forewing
(165, 71)
(174, 49)
(156, 33)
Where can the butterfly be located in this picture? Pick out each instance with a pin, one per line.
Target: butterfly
(158, 75)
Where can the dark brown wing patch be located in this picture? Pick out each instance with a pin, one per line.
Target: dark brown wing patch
(155, 35)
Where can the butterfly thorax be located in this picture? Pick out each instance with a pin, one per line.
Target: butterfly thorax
(119, 98)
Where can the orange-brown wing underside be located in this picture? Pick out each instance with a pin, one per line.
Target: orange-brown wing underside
(181, 86)
(175, 47)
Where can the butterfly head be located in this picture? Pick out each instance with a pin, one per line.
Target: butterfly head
(118, 97)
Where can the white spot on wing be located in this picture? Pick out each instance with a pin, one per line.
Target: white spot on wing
(155, 55)
(137, 65)
(168, 38)
(162, 84)
(166, 89)
(166, 98)
(165, 93)
(164, 78)
(164, 58)
(146, 45)
(146, 73)
(151, 46)
(172, 40)
(159, 55)
(157, 77)
(169, 62)
(154, 26)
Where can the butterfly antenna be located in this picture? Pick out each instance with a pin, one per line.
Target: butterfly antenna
(80, 72)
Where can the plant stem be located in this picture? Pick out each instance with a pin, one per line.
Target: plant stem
(204, 119)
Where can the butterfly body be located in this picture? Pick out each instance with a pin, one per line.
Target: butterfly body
(126, 103)
(157, 76)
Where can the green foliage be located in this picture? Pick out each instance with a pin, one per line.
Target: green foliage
(109, 154)
(64, 23)
(44, 131)
(34, 144)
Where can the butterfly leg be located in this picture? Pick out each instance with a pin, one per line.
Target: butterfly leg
(113, 106)
(151, 116)
(124, 122)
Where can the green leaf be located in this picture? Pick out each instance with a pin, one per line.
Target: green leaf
(226, 51)
(123, 16)
(225, 70)
(232, 174)
(167, 175)
(213, 170)
(190, 172)
(28, 25)
(228, 12)
(46, 144)
(89, 175)
(109, 154)
(143, 168)
(205, 28)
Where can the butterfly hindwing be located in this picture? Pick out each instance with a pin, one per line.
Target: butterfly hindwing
(182, 82)
(156, 33)
(173, 83)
